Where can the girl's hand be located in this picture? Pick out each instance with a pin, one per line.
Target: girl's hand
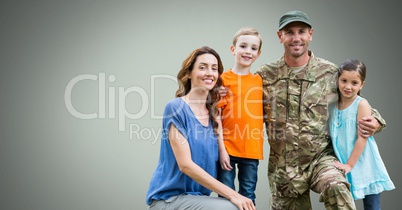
(344, 167)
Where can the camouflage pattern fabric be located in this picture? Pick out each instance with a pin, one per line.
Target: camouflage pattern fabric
(325, 179)
(296, 114)
(330, 182)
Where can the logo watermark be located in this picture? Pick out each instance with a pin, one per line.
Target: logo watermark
(109, 96)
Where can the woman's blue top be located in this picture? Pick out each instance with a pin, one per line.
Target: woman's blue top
(167, 180)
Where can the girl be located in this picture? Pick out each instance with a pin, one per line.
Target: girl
(187, 167)
(369, 176)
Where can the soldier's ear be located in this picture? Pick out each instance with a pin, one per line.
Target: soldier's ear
(311, 31)
(279, 33)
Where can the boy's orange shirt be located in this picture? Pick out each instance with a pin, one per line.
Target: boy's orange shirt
(242, 115)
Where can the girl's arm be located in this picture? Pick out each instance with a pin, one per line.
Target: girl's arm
(224, 158)
(364, 109)
(371, 124)
(186, 165)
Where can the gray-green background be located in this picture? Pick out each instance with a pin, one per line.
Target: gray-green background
(52, 159)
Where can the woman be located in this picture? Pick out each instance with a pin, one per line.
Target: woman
(187, 170)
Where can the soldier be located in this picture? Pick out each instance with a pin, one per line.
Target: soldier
(297, 91)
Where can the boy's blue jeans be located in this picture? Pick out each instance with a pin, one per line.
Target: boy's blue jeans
(247, 175)
(372, 202)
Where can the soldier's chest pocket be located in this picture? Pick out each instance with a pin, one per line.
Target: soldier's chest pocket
(294, 100)
(313, 95)
(314, 106)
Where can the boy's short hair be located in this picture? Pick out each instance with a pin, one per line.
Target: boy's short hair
(247, 31)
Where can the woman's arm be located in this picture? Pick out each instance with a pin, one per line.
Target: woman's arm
(364, 109)
(186, 165)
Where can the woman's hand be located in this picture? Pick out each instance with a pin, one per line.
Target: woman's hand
(242, 202)
(222, 91)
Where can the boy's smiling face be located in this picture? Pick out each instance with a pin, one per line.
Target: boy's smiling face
(246, 50)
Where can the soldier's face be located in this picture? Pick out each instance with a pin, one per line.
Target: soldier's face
(295, 38)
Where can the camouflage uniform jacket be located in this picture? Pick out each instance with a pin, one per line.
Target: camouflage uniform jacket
(295, 115)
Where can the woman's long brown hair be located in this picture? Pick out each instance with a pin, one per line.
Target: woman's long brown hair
(185, 84)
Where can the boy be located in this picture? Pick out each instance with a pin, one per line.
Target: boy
(242, 116)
